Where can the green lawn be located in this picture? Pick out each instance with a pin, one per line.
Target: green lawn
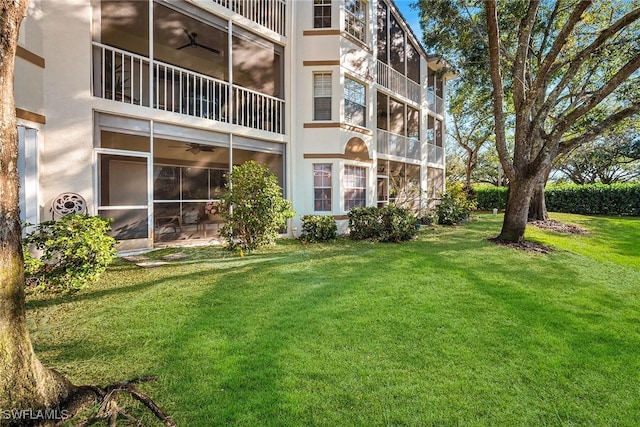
(446, 330)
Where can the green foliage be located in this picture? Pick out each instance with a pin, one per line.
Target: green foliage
(318, 228)
(596, 199)
(454, 206)
(387, 224)
(253, 207)
(364, 223)
(75, 251)
(592, 199)
(614, 158)
(488, 198)
(398, 224)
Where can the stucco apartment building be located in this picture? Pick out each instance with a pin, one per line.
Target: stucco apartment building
(136, 109)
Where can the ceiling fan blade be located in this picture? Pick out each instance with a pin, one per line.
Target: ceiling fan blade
(186, 45)
(191, 36)
(211, 49)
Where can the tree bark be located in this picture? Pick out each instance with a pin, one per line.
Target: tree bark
(538, 206)
(25, 384)
(517, 210)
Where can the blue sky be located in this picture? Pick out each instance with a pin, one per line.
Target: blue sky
(411, 15)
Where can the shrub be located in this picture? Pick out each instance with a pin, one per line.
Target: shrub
(253, 207)
(454, 208)
(397, 224)
(364, 223)
(318, 228)
(387, 224)
(75, 250)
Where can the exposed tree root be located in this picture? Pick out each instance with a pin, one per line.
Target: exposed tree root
(109, 410)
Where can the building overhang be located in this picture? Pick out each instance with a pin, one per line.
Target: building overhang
(441, 65)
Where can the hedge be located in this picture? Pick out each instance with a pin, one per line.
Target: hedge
(593, 199)
(489, 198)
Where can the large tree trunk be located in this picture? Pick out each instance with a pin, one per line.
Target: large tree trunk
(517, 210)
(538, 206)
(24, 383)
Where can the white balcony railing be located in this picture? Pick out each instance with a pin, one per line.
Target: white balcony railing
(435, 103)
(435, 154)
(186, 92)
(121, 76)
(268, 13)
(255, 110)
(397, 145)
(397, 82)
(124, 77)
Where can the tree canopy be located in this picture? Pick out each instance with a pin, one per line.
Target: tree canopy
(561, 74)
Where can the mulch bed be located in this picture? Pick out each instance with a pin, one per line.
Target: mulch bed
(557, 226)
(525, 245)
(550, 225)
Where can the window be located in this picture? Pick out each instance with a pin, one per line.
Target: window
(321, 13)
(322, 187)
(356, 19)
(355, 187)
(322, 96)
(383, 50)
(355, 109)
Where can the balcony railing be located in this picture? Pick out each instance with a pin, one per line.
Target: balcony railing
(435, 154)
(121, 76)
(398, 145)
(435, 103)
(186, 92)
(397, 82)
(124, 77)
(268, 13)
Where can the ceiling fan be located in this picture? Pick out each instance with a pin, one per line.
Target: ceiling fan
(194, 43)
(195, 148)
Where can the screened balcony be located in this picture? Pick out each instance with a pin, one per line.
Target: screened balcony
(398, 145)
(435, 102)
(129, 78)
(397, 82)
(435, 154)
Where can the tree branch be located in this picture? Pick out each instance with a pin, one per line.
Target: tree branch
(498, 91)
(602, 127)
(559, 43)
(520, 66)
(580, 58)
(564, 124)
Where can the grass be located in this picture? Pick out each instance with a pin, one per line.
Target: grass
(445, 330)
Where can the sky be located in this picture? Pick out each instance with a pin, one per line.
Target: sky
(411, 15)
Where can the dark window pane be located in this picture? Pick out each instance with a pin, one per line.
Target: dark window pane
(322, 109)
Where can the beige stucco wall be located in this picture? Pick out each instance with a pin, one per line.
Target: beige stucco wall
(67, 156)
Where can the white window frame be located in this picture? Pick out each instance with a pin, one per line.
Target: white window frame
(354, 97)
(322, 89)
(325, 184)
(355, 182)
(356, 19)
